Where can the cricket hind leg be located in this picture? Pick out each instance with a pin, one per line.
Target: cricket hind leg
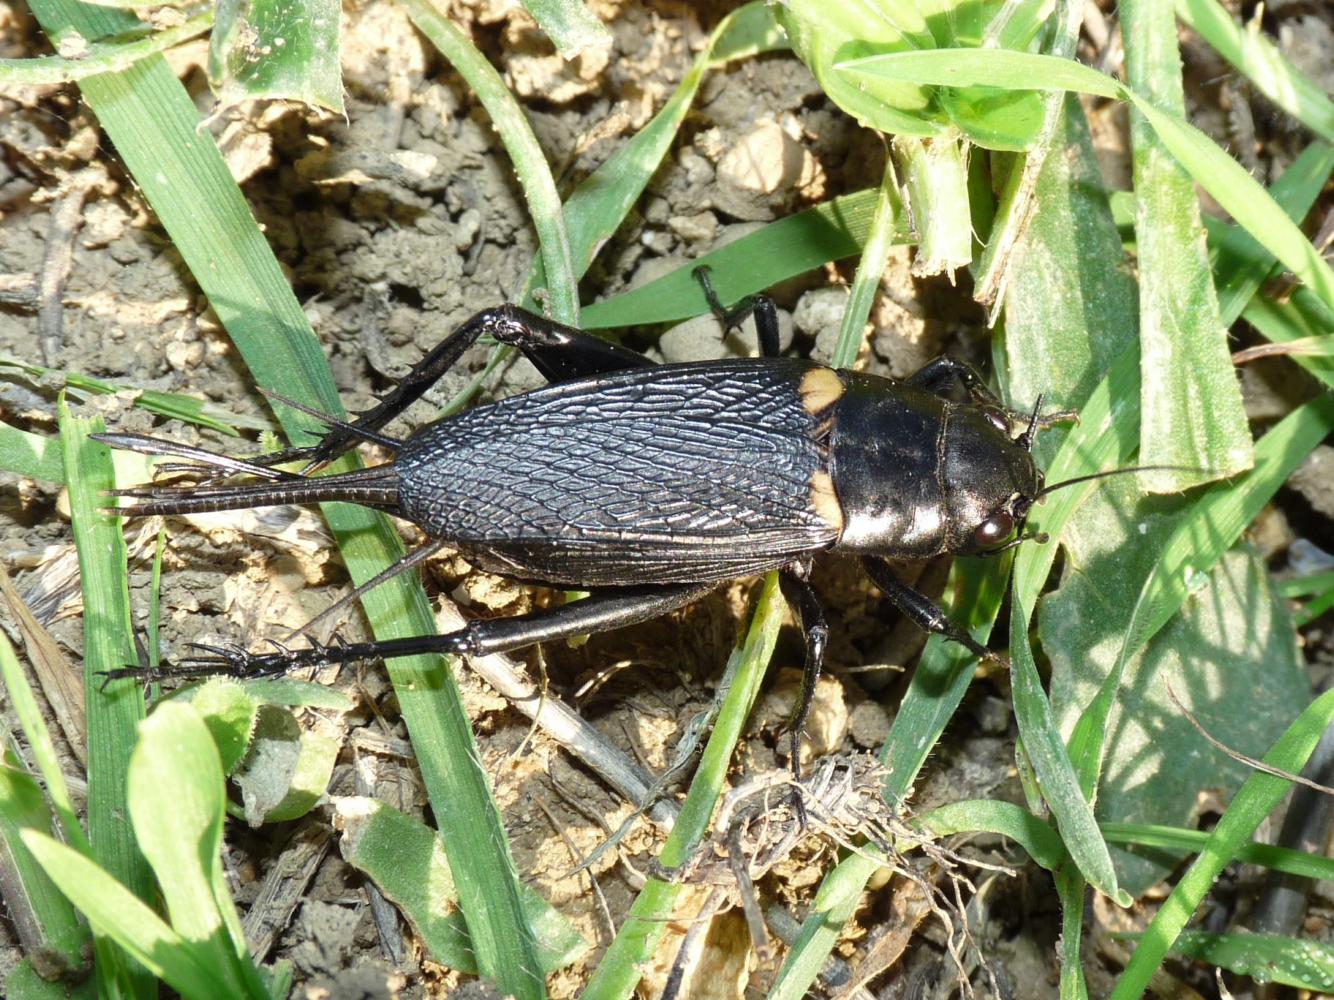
(766, 313)
(559, 352)
(600, 612)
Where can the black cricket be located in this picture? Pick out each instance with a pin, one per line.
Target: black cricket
(649, 484)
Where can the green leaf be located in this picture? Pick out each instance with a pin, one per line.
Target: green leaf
(635, 943)
(1034, 835)
(1070, 305)
(530, 165)
(1178, 841)
(1266, 958)
(1226, 180)
(229, 710)
(173, 405)
(1231, 646)
(820, 33)
(570, 25)
(283, 50)
(286, 770)
(177, 804)
(112, 710)
(1189, 394)
(1260, 61)
(40, 914)
(116, 913)
(597, 207)
(830, 231)
(1249, 807)
(1055, 772)
(407, 861)
(101, 57)
(870, 268)
(155, 127)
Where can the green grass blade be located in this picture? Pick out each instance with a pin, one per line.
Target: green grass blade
(33, 724)
(1055, 772)
(1266, 958)
(1034, 835)
(106, 57)
(1252, 803)
(1207, 529)
(830, 231)
(38, 913)
(530, 165)
(1240, 263)
(1190, 399)
(117, 913)
(598, 206)
(619, 971)
(870, 268)
(173, 405)
(570, 25)
(154, 125)
(177, 802)
(1259, 60)
(1071, 889)
(285, 50)
(1180, 842)
(112, 711)
(1223, 177)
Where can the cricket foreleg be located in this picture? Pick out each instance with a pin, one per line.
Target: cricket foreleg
(803, 602)
(925, 615)
(600, 612)
(766, 313)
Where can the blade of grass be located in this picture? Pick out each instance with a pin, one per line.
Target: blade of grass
(601, 202)
(570, 25)
(1016, 823)
(830, 231)
(1252, 803)
(154, 125)
(870, 268)
(115, 911)
(620, 969)
(1240, 263)
(1259, 60)
(1207, 529)
(1240, 195)
(107, 57)
(1190, 399)
(173, 405)
(1055, 772)
(1267, 958)
(113, 710)
(530, 165)
(1181, 841)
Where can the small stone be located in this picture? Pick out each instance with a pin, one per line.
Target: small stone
(758, 175)
(700, 227)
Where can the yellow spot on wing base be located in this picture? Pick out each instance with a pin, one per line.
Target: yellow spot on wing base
(820, 388)
(825, 501)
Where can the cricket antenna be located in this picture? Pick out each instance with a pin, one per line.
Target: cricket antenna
(1115, 472)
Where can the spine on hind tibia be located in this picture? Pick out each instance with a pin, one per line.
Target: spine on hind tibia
(377, 487)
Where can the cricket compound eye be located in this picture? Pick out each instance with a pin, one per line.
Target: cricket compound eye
(993, 530)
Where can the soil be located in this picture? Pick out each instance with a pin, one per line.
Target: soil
(396, 224)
